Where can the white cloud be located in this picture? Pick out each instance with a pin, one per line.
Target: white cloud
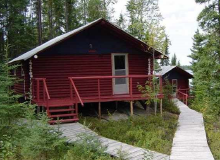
(180, 22)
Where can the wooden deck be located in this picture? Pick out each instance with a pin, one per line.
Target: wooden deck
(114, 148)
(190, 141)
(68, 101)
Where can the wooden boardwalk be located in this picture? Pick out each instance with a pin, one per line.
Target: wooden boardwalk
(72, 131)
(190, 141)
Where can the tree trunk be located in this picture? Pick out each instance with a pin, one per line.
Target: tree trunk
(66, 15)
(84, 12)
(50, 17)
(39, 22)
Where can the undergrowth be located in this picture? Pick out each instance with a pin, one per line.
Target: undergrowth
(212, 126)
(152, 132)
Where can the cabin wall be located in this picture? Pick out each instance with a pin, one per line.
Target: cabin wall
(182, 80)
(57, 69)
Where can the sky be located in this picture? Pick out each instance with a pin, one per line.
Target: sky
(180, 22)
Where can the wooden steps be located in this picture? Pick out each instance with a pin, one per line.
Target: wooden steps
(62, 113)
(60, 110)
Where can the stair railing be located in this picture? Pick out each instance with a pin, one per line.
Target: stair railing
(73, 87)
(46, 95)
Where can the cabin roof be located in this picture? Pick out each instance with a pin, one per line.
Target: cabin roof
(166, 69)
(143, 46)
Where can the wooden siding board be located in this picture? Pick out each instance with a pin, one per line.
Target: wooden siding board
(57, 69)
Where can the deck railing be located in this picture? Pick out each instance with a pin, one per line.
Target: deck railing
(38, 89)
(182, 94)
(99, 79)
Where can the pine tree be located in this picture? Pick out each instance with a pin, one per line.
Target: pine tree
(15, 27)
(206, 58)
(165, 62)
(72, 20)
(10, 109)
(174, 60)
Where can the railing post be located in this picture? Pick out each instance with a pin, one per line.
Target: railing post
(38, 90)
(161, 85)
(186, 99)
(99, 94)
(44, 90)
(131, 87)
(71, 90)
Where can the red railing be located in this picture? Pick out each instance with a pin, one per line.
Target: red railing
(99, 78)
(186, 91)
(182, 94)
(38, 89)
(73, 86)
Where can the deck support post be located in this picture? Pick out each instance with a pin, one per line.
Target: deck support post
(100, 111)
(147, 108)
(38, 109)
(161, 106)
(116, 105)
(131, 108)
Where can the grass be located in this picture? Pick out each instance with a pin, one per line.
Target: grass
(152, 132)
(213, 134)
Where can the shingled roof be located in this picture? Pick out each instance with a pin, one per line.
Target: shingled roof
(166, 69)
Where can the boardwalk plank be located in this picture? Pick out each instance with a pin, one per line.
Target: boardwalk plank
(190, 142)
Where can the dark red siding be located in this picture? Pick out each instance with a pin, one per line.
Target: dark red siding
(138, 65)
(57, 69)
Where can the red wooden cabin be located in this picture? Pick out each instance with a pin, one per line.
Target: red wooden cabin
(179, 79)
(94, 63)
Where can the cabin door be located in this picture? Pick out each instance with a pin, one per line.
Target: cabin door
(174, 86)
(120, 68)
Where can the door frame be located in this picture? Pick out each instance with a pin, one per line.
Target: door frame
(113, 70)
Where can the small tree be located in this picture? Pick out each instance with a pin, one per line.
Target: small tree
(150, 91)
(10, 109)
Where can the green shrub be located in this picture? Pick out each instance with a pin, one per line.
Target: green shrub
(168, 103)
(41, 141)
(87, 147)
(152, 132)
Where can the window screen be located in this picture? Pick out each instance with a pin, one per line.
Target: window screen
(119, 62)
